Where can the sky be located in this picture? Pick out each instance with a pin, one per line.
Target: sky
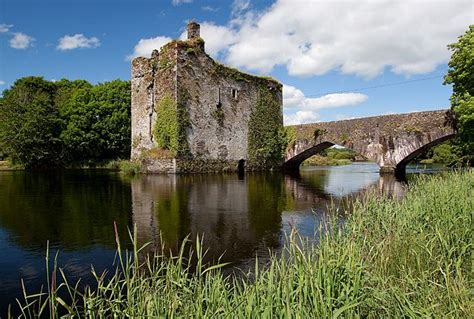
(337, 59)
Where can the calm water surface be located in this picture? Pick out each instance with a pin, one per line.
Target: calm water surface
(238, 217)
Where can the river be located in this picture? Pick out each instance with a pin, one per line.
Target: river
(239, 217)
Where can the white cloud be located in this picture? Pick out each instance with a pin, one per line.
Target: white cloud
(217, 38)
(295, 98)
(357, 37)
(210, 9)
(2, 82)
(144, 47)
(21, 41)
(239, 6)
(5, 27)
(71, 42)
(299, 109)
(178, 2)
(361, 37)
(300, 117)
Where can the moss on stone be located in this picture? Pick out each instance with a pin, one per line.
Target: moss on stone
(156, 153)
(165, 62)
(344, 137)
(218, 115)
(205, 165)
(227, 71)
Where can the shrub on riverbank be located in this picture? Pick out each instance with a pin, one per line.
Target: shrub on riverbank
(126, 167)
(318, 160)
(408, 258)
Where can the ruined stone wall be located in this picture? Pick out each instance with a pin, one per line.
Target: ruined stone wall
(220, 102)
(142, 105)
(152, 79)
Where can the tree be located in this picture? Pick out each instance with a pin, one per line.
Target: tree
(97, 121)
(461, 76)
(30, 125)
(45, 124)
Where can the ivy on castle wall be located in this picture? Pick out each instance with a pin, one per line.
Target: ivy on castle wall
(172, 120)
(182, 114)
(290, 137)
(165, 131)
(266, 138)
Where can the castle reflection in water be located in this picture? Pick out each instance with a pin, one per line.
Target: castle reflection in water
(239, 217)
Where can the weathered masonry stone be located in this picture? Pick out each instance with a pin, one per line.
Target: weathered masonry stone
(389, 140)
(209, 107)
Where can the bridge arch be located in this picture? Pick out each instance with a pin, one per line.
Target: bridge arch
(401, 165)
(295, 162)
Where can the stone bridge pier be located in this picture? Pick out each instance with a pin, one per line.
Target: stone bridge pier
(391, 141)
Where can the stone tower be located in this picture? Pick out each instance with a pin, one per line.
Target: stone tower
(192, 114)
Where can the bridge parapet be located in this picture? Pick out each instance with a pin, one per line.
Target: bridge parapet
(389, 140)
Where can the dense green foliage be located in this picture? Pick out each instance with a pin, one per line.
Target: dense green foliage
(290, 136)
(447, 153)
(30, 125)
(125, 166)
(183, 123)
(65, 123)
(392, 259)
(165, 130)
(266, 138)
(170, 126)
(97, 122)
(461, 76)
(332, 157)
(340, 153)
(318, 160)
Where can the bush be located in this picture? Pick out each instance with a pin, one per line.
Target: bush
(318, 160)
(130, 168)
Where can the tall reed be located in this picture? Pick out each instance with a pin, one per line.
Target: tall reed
(408, 258)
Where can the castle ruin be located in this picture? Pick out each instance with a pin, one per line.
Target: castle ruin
(192, 114)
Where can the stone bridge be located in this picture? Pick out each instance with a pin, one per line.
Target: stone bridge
(389, 140)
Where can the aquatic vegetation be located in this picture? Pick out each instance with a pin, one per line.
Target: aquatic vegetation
(124, 166)
(392, 258)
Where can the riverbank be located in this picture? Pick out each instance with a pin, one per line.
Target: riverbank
(318, 160)
(392, 259)
(7, 166)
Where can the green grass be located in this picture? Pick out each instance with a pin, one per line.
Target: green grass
(9, 166)
(125, 166)
(318, 160)
(427, 161)
(407, 258)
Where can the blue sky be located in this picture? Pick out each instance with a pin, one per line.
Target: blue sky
(313, 47)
